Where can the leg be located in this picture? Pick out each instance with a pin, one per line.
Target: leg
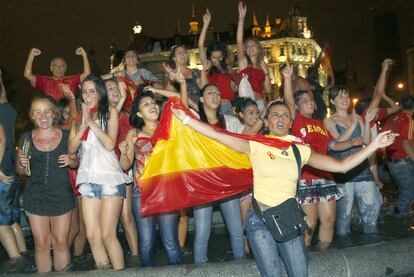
(18, 233)
(365, 196)
(8, 240)
(91, 211)
(202, 222)
(311, 211)
(263, 246)
(110, 211)
(403, 175)
(344, 208)
(327, 214)
(74, 224)
(183, 227)
(232, 217)
(146, 231)
(128, 223)
(40, 226)
(168, 224)
(8, 216)
(245, 202)
(60, 226)
(80, 239)
(293, 254)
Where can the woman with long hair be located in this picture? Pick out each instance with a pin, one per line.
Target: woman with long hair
(250, 58)
(216, 54)
(116, 97)
(100, 179)
(48, 197)
(135, 150)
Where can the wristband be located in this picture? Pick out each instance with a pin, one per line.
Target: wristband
(186, 119)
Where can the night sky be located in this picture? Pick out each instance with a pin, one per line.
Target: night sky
(59, 27)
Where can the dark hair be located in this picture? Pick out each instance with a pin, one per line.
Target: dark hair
(299, 94)
(103, 104)
(171, 61)
(217, 47)
(61, 105)
(49, 99)
(202, 113)
(242, 103)
(275, 104)
(136, 121)
(333, 93)
(407, 103)
(362, 105)
(130, 50)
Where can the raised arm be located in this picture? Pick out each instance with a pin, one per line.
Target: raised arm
(122, 87)
(330, 164)
(86, 67)
(393, 107)
(202, 37)
(241, 58)
(379, 89)
(234, 143)
(175, 76)
(73, 109)
(288, 92)
(28, 74)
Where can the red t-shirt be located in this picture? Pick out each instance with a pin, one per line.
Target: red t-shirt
(402, 124)
(123, 130)
(256, 78)
(223, 81)
(314, 134)
(50, 86)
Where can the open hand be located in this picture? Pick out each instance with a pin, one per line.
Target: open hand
(8, 180)
(63, 160)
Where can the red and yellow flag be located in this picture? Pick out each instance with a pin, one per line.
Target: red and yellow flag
(188, 169)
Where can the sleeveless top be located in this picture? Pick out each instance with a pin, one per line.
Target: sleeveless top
(256, 78)
(359, 173)
(98, 165)
(143, 149)
(48, 191)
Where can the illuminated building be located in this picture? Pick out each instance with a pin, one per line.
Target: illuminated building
(286, 40)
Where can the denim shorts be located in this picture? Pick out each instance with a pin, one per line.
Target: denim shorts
(9, 203)
(98, 191)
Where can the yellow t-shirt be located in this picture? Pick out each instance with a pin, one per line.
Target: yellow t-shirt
(275, 172)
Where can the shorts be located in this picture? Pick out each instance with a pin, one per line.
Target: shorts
(9, 203)
(98, 191)
(314, 191)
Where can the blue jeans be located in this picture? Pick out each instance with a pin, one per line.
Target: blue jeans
(402, 172)
(202, 220)
(9, 203)
(266, 250)
(168, 226)
(365, 193)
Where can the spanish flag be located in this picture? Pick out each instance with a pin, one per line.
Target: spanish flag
(189, 169)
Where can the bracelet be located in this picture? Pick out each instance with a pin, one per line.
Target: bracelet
(186, 119)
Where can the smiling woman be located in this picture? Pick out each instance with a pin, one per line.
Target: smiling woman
(100, 179)
(48, 197)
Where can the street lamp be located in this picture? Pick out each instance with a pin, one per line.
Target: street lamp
(137, 28)
(400, 85)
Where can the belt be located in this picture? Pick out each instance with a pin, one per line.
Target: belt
(396, 160)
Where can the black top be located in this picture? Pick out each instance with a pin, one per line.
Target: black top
(8, 120)
(48, 191)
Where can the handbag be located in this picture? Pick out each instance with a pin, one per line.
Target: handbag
(286, 220)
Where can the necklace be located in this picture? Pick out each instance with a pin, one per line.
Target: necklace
(47, 140)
